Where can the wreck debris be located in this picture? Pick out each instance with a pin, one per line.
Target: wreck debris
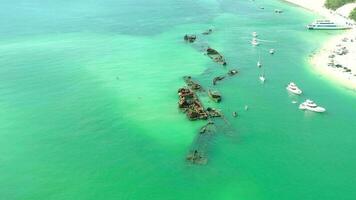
(215, 56)
(190, 38)
(218, 78)
(208, 32)
(197, 157)
(214, 95)
(212, 112)
(192, 84)
(198, 153)
(206, 128)
(190, 104)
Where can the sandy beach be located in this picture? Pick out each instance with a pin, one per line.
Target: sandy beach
(336, 60)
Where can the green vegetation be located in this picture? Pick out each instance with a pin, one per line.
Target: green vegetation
(353, 14)
(334, 4)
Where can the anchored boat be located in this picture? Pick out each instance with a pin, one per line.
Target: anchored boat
(254, 42)
(293, 88)
(262, 78)
(325, 24)
(310, 105)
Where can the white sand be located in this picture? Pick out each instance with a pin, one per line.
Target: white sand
(321, 59)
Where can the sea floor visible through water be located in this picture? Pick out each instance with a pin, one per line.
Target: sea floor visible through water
(88, 103)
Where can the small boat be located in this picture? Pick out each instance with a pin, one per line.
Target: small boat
(259, 63)
(234, 114)
(278, 11)
(215, 96)
(232, 72)
(293, 88)
(311, 106)
(254, 42)
(262, 78)
(254, 34)
(271, 51)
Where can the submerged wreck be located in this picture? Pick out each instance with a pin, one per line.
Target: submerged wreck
(197, 157)
(192, 84)
(190, 104)
(198, 153)
(208, 32)
(218, 78)
(214, 95)
(215, 56)
(206, 128)
(212, 112)
(190, 38)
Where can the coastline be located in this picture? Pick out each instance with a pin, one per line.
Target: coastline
(320, 59)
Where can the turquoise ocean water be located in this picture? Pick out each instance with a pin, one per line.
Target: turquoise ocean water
(88, 103)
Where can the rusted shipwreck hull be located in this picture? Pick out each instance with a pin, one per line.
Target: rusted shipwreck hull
(214, 95)
(190, 104)
(198, 153)
(192, 84)
(190, 38)
(215, 56)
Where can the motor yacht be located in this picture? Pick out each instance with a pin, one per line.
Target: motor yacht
(293, 88)
(254, 34)
(311, 106)
(271, 51)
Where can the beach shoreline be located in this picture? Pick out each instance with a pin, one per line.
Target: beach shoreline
(345, 72)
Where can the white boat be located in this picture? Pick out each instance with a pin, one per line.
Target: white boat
(311, 106)
(293, 88)
(259, 64)
(327, 25)
(262, 78)
(254, 34)
(254, 42)
(271, 51)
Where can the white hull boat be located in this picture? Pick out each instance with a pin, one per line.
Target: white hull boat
(262, 78)
(293, 88)
(327, 25)
(254, 42)
(311, 106)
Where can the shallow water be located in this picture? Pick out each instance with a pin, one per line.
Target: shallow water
(88, 103)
